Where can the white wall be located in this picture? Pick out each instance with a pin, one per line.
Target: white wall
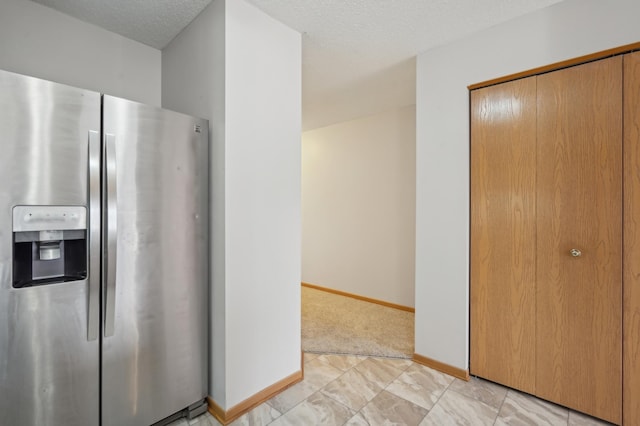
(250, 89)
(358, 206)
(41, 42)
(263, 126)
(565, 30)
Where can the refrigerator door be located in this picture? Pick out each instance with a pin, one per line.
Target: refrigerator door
(154, 332)
(49, 358)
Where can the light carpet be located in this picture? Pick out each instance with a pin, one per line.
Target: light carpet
(332, 323)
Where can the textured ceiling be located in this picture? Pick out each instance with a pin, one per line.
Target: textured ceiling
(152, 22)
(358, 55)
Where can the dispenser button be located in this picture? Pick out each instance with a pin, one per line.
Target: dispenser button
(50, 235)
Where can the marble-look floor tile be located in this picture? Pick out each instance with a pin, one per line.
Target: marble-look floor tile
(521, 409)
(352, 389)
(382, 370)
(262, 415)
(369, 391)
(318, 409)
(342, 362)
(208, 420)
(357, 420)
(309, 356)
(420, 385)
(400, 363)
(457, 409)
(389, 409)
(490, 393)
(579, 419)
(205, 419)
(292, 396)
(319, 372)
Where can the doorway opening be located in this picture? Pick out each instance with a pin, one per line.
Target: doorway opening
(358, 236)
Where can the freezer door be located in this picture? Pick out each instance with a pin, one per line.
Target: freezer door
(154, 334)
(49, 362)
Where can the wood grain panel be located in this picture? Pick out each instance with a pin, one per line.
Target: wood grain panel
(503, 178)
(579, 205)
(631, 224)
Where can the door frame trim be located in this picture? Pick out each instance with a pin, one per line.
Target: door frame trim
(628, 48)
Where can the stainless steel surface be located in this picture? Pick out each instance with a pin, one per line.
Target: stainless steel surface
(49, 371)
(93, 314)
(48, 218)
(575, 253)
(155, 362)
(111, 232)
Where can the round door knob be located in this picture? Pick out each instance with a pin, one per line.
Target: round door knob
(575, 253)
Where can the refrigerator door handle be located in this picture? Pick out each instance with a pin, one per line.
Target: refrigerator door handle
(93, 311)
(110, 232)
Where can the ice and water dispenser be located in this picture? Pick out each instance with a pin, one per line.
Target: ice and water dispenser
(49, 244)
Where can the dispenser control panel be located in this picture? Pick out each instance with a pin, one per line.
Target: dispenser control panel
(49, 218)
(49, 245)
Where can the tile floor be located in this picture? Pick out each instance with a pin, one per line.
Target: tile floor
(354, 390)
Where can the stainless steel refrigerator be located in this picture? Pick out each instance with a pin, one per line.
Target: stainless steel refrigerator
(103, 258)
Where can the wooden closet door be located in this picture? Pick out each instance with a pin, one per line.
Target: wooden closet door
(631, 313)
(579, 206)
(503, 179)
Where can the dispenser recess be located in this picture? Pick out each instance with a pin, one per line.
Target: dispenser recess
(49, 245)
